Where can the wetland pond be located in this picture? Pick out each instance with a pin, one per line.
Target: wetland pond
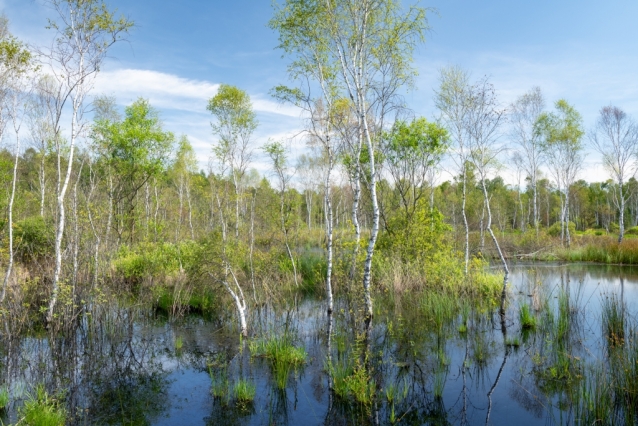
(573, 362)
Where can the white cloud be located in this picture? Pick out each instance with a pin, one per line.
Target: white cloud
(169, 91)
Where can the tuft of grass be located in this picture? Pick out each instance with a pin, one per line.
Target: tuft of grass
(439, 310)
(4, 398)
(179, 343)
(613, 320)
(244, 392)
(352, 380)
(40, 409)
(513, 342)
(526, 317)
(282, 355)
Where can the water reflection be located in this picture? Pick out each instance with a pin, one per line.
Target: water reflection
(122, 364)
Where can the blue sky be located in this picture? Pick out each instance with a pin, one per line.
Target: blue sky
(583, 51)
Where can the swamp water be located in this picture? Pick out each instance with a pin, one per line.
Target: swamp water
(126, 365)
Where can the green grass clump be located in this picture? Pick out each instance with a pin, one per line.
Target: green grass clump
(179, 343)
(4, 398)
(244, 392)
(352, 381)
(282, 355)
(613, 320)
(513, 342)
(527, 318)
(40, 409)
(439, 310)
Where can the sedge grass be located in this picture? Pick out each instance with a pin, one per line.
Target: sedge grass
(40, 409)
(244, 392)
(282, 355)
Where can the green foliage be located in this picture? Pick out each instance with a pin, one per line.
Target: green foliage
(235, 117)
(4, 398)
(244, 392)
(153, 260)
(526, 317)
(34, 238)
(134, 151)
(352, 380)
(554, 230)
(40, 409)
(613, 316)
(439, 310)
(282, 355)
(417, 238)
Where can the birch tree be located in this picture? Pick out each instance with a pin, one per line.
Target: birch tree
(562, 133)
(452, 100)
(277, 153)
(524, 114)
(236, 122)
(367, 46)
(615, 137)
(84, 31)
(15, 62)
(484, 120)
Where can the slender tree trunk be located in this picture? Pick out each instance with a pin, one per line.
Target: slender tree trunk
(482, 228)
(568, 236)
(536, 212)
(190, 210)
(252, 243)
(498, 249)
(76, 233)
(355, 218)
(329, 232)
(61, 194)
(621, 217)
(465, 224)
(42, 178)
(285, 230)
(7, 275)
(367, 267)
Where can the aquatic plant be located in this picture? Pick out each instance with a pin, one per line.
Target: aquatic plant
(244, 392)
(513, 341)
(613, 320)
(282, 355)
(41, 409)
(526, 317)
(4, 398)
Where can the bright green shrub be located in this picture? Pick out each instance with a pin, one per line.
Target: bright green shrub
(554, 230)
(34, 238)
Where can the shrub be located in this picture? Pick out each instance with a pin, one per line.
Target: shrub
(554, 230)
(34, 239)
(42, 410)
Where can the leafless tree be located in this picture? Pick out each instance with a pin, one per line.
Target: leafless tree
(524, 114)
(452, 100)
(615, 137)
(484, 120)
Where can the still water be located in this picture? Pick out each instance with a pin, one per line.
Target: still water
(126, 365)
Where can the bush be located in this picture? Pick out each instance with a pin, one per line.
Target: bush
(632, 231)
(34, 239)
(151, 260)
(554, 230)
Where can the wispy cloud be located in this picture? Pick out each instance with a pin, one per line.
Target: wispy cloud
(169, 91)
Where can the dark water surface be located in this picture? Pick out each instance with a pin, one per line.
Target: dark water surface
(123, 365)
